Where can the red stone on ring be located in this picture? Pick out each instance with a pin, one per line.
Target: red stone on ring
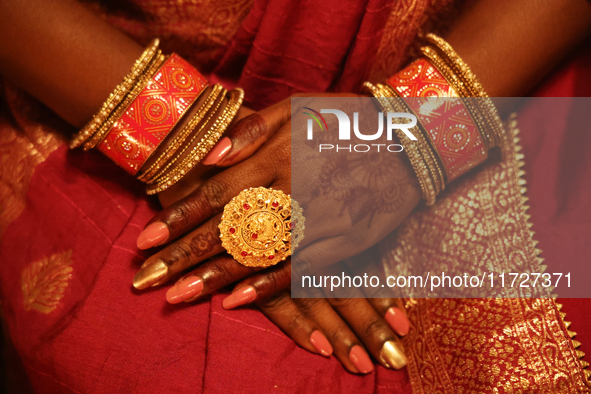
(246, 206)
(271, 257)
(254, 236)
(275, 204)
(232, 230)
(244, 254)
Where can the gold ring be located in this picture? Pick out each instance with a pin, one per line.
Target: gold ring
(260, 227)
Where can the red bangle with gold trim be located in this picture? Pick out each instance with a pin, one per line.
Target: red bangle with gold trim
(447, 122)
(153, 114)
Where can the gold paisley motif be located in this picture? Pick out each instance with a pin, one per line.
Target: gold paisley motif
(25, 141)
(44, 282)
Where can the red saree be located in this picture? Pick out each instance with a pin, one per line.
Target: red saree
(69, 221)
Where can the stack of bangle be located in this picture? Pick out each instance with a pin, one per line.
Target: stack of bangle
(120, 92)
(453, 136)
(146, 107)
(169, 175)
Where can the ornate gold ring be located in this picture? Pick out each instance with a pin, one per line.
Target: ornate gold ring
(260, 227)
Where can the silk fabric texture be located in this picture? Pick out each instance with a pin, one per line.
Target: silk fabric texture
(69, 222)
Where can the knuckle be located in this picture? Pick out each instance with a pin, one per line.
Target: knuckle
(184, 213)
(301, 264)
(373, 327)
(309, 305)
(298, 319)
(214, 193)
(273, 303)
(341, 334)
(180, 252)
(217, 271)
(340, 303)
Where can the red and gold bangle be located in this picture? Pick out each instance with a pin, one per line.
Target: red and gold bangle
(151, 115)
(118, 95)
(428, 151)
(464, 92)
(447, 122)
(102, 132)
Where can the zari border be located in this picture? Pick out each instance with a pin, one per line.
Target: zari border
(501, 345)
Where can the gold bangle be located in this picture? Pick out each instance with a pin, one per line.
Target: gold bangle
(203, 147)
(427, 147)
(458, 65)
(414, 154)
(98, 137)
(162, 173)
(465, 96)
(149, 175)
(465, 80)
(117, 96)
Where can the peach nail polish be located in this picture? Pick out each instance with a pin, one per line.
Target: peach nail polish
(321, 343)
(153, 235)
(398, 321)
(242, 296)
(219, 151)
(184, 289)
(360, 359)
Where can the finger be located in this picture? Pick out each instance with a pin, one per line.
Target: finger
(208, 278)
(260, 286)
(207, 200)
(321, 253)
(249, 134)
(195, 247)
(372, 329)
(282, 311)
(393, 311)
(390, 308)
(347, 348)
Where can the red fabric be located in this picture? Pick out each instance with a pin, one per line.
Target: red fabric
(107, 338)
(558, 170)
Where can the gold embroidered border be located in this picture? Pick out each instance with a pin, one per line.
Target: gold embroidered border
(501, 345)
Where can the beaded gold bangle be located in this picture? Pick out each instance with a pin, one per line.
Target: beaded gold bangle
(413, 151)
(203, 147)
(465, 95)
(118, 95)
(186, 145)
(458, 65)
(427, 147)
(473, 88)
(115, 115)
(179, 140)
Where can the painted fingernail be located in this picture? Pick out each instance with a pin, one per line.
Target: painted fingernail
(360, 359)
(321, 343)
(153, 235)
(398, 321)
(184, 289)
(150, 275)
(393, 353)
(242, 296)
(219, 151)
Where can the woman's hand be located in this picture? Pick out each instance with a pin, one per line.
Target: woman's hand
(343, 219)
(349, 328)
